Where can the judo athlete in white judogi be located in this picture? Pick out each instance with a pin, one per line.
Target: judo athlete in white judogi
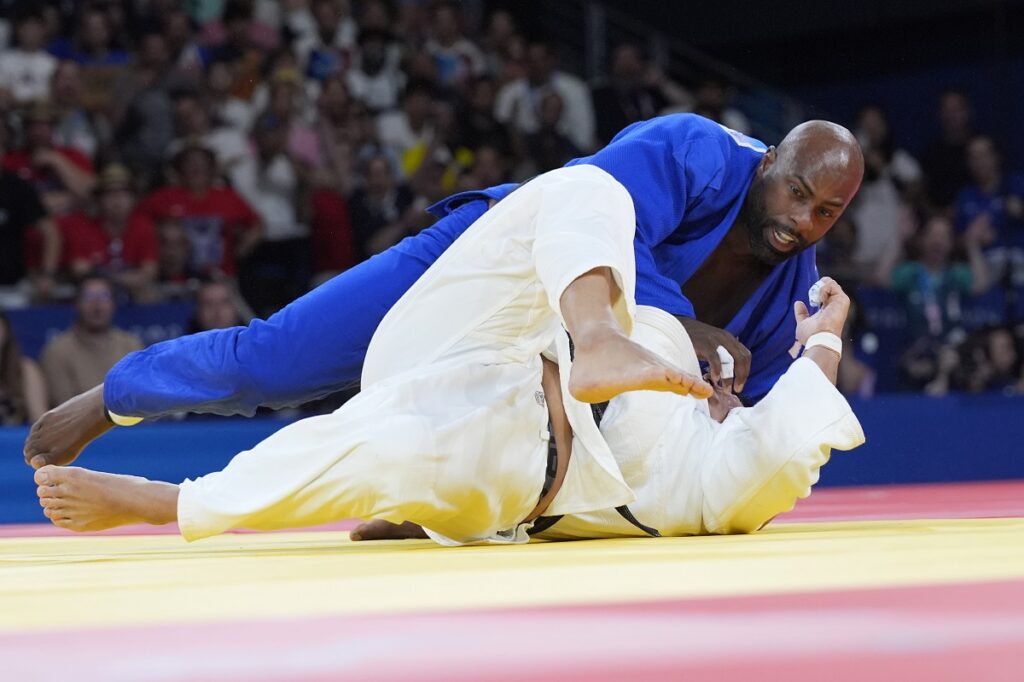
(450, 429)
(707, 466)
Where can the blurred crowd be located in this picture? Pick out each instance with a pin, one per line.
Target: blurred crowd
(236, 153)
(940, 231)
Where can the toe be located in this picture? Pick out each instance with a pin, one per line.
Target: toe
(45, 475)
(46, 491)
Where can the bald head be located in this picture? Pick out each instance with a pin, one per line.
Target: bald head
(816, 146)
(801, 189)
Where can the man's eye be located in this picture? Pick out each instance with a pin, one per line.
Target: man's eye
(825, 212)
(796, 190)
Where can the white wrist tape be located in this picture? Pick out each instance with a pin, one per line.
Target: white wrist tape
(728, 363)
(828, 340)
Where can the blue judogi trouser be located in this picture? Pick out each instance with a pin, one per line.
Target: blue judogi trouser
(312, 347)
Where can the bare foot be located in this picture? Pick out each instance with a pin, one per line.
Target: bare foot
(378, 529)
(610, 364)
(83, 500)
(62, 433)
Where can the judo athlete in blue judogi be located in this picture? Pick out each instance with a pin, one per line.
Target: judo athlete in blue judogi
(725, 229)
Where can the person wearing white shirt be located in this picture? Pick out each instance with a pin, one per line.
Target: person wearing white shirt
(518, 102)
(26, 70)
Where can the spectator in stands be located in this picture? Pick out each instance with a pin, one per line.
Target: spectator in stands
(222, 104)
(712, 99)
(456, 58)
(218, 306)
(186, 52)
(989, 361)
(142, 115)
(94, 43)
(26, 70)
(856, 376)
(221, 226)
(490, 167)
(548, 148)
(328, 48)
(945, 159)
(518, 102)
(175, 272)
(835, 255)
(22, 385)
(883, 209)
(933, 288)
(278, 188)
(476, 125)
(376, 77)
(22, 211)
(76, 127)
(381, 209)
(634, 91)
(993, 203)
(500, 42)
(286, 101)
(118, 241)
(192, 123)
(411, 128)
(63, 176)
(77, 359)
(376, 15)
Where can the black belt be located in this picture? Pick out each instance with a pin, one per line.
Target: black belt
(542, 523)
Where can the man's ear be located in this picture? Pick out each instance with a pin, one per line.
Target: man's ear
(767, 160)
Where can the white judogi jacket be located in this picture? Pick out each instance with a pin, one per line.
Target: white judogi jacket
(692, 475)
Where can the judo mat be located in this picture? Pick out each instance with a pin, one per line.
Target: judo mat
(903, 583)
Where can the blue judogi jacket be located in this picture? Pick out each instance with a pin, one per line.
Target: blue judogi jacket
(687, 176)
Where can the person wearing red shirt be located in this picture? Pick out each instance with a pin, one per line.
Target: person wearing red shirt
(221, 226)
(63, 176)
(119, 241)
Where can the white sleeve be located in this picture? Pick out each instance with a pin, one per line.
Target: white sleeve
(762, 459)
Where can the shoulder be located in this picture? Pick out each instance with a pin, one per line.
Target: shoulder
(125, 340)
(57, 347)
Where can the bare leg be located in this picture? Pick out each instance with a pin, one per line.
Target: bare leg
(83, 500)
(61, 434)
(607, 363)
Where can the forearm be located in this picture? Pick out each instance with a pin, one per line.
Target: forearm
(826, 360)
(80, 182)
(51, 246)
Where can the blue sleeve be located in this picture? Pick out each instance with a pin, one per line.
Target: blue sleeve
(309, 349)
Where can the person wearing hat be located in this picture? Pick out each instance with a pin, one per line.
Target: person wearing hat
(63, 176)
(222, 227)
(116, 240)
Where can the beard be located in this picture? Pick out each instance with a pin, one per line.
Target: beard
(758, 223)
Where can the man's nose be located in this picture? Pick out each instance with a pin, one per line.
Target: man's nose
(800, 217)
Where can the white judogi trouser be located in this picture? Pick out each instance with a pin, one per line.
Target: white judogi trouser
(695, 476)
(450, 429)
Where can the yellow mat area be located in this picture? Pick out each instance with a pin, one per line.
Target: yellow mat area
(87, 581)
